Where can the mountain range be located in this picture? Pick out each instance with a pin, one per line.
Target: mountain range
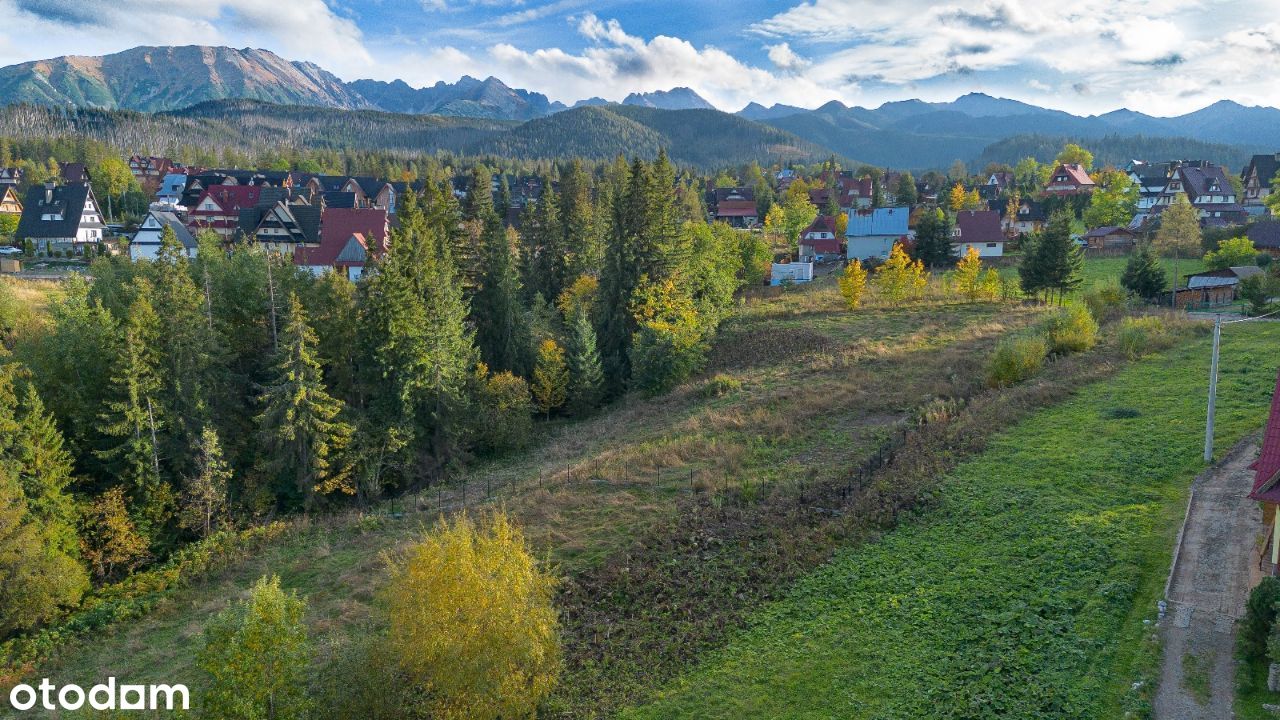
(909, 133)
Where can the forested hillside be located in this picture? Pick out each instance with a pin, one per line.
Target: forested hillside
(1114, 150)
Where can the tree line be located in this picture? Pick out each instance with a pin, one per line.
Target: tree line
(169, 399)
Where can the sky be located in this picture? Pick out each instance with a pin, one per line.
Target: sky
(1163, 57)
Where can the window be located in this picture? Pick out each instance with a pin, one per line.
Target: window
(991, 245)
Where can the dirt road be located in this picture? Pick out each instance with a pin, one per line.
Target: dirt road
(1211, 580)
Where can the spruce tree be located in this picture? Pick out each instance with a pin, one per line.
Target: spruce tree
(204, 507)
(933, 239)
(45, 470)
(1143, 275)
(586, 377)
(501, 332)
(303, 436)
(136, 418)
(40, 579)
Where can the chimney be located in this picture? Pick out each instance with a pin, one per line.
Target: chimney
(48, 193)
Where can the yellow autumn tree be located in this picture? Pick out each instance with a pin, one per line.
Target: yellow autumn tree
(579, 296)
(972, 200)
(853, 284)
(550, 377)
(472, 622)
(971, 281)
(957, 198)
(900, 277)
(842, 225)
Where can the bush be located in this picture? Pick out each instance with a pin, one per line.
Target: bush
(721, 385)
(472, 624)
(1072, 329)
(1140, 335)
(506, 413)
(1259, 619)
(1105, 302)
(1015, 360)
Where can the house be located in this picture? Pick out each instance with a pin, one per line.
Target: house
(372, 224)
(280, 226)
(1214, 287)
(1257, 177)
(1030, 217)
(1265, 235)
(218, 208)
(10, 176)
(872, 232)
(146, 243)
(737, 209)
(1206, 187)
(62, 218)
(74, 173)
(1069, 179)
(9, 202)
(980, 230)
(1266, 487)
(337, 255)
(149, 171)
(171, 188)
(1151, 179)
(1109, 237)
(996, 185)
(368, 191)
(790, 273)
(818, 242)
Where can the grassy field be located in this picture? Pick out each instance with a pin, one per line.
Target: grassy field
(1024, 592)
(819, 389)
(1107, 270)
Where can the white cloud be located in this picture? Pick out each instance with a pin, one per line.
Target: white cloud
(299, 29)
(786, 59)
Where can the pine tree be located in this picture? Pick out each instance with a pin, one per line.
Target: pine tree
(204, 506)
(933, 239)
(1057, 261)
(1143, 275)
(586, 377)
(303, 437)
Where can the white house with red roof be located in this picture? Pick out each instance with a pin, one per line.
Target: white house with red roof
(347, 256)
(1069, 179)
(1266, 485)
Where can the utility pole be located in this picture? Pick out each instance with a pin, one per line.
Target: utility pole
(1213, 390)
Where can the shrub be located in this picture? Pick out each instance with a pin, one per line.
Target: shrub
(1072, 329)
(721, 385)
(1140, 335)
(472, 622)
(1016, 359)
(1259, 619)
(256, 657)
(506, 413)
(1105, 302)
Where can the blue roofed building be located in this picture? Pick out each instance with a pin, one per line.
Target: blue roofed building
(873, 231)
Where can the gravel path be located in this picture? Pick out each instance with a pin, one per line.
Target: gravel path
(1211, 581)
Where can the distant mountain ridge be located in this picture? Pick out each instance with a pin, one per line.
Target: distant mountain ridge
(907, 133)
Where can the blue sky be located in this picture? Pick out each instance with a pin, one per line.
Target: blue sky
(1088, 56)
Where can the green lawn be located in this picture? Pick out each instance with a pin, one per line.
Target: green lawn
(1023, 593)
(1102, 271)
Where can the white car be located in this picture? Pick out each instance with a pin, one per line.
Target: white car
(10, 250)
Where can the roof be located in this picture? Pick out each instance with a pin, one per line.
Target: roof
(1106, 230)
(335, 199)
(1265, 165)
(1205, 282)
(1075, 173)
(341, 223)
(822, 223)
(1266, 469)
(334, 252)
(871, 222)
(737, 208)
(229, 197)
(65, 200)
(1265, 234)
(74, 172)
(979, 226)
(171, 220)
(1244, 271)
(825, 245)
(1205, 179)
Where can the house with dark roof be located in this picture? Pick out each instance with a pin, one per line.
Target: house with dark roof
(11, 176)
(74, 173)
(818, 242)
(280, 226)
(1151, 179)
(1205, 186)
(61, 218)
(1265, 235)
(1266, 487)
(980, 230)
(1069, 179)
(872, 232)
(145, 245)
(1109, 237)
(735, 206)
(1030, 217)
(150, 171)
(1257, 177)
(171, 188)
(347, 256)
